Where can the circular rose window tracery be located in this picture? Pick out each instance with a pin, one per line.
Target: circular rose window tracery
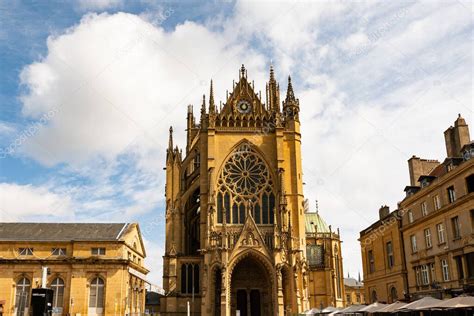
(245, 173)
(245, 185)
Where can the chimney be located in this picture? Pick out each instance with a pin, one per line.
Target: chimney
(456, 137)
(420, 167)
(384, 211)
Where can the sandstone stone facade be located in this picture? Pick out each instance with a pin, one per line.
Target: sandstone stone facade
(235, 213)
(432, 231)
(95, 269)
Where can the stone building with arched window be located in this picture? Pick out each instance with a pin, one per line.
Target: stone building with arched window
(94, 269)
(236, 232)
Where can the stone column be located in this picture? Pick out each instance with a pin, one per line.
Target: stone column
(225, 294)
(279, 286)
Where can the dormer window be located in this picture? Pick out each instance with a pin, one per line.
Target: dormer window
(425, 183)
(468, 153)
(410, 190)
(425, 180)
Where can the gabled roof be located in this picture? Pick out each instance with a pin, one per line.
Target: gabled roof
(243, 91)
(61, 231)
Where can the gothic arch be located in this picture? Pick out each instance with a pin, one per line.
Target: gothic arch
(254, 254)
(252, 146)
(245, 182)
(268, 274)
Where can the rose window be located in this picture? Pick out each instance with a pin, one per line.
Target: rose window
(245, 185)
(245, 173)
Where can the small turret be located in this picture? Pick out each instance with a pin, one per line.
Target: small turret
(291, 105)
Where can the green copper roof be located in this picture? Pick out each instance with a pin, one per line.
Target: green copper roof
(315, 222)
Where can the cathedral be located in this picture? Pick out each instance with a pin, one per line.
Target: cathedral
(240, 239)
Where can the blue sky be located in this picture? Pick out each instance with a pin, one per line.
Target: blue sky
(89, 88)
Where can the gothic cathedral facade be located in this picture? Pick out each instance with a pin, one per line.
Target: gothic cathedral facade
(236, 230)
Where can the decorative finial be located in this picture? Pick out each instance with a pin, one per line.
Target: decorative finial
(242, 71)
(272, 73)
(317, 206)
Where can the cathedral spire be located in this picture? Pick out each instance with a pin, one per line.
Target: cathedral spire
(212, 106)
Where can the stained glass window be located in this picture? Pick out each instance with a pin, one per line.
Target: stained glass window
(245, 183)
(219, 207)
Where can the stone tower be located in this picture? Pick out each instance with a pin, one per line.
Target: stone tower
(235, 218)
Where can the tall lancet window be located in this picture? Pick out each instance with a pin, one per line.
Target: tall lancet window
(245, 184)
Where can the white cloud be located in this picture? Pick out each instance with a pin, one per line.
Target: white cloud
(154, 260)
(6, 128)
(118, 82)
(377, 83)
(22, 202)
(99, 4)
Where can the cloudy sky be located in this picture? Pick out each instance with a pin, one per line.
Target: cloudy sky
(88, 90)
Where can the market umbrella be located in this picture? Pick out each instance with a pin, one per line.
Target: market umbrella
(456, 302)
(421, 304)
(392, 307)
(351, 309)
(374, 307)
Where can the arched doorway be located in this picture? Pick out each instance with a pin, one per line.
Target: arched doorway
(251, 288)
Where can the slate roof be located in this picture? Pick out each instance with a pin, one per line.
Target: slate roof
(314, 219)
(61, 231)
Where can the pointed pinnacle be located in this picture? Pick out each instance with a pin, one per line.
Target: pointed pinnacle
(212, 107)
(272, 74)
(242, 71)
(203, 106)
(290, 95)
(170, 141)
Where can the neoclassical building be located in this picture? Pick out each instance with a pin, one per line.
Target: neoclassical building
(94, 268)
(236, 221)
